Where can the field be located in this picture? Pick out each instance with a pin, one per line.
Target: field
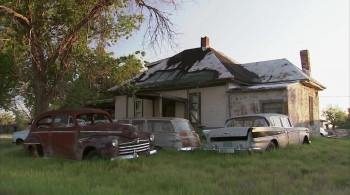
(320, 168)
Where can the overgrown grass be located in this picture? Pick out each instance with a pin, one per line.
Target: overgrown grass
(320, 168)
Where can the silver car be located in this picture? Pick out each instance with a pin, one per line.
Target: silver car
(168, 132)
(257, 132)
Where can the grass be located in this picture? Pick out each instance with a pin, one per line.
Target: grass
(320, 168)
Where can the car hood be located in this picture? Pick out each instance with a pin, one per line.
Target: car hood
(119, 129)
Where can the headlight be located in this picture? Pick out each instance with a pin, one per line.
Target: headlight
(114, 142)
(151, 137)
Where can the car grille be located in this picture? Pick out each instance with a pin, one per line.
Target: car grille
(133, 147)
(222, 139)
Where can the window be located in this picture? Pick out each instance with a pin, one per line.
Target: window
(124, 121)
(139, 124)
(168, 108)
(195, 108)
(138, 108)
(276, 106)
(44, 122)
(159, 125)
(63, 121)
(247, 122)
(311, 110)
(276, 122)
(92, 119)
(183, 126)
(285, 122)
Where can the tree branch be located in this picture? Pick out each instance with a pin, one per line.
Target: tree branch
(18, 17)
(68, 40)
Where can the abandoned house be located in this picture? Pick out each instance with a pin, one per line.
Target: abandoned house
(207, 87)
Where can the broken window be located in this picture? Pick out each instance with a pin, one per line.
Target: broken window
(195, 108)
(275, 106)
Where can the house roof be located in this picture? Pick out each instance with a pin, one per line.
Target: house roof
(198, 66)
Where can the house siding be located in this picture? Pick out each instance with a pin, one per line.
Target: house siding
(298, 104)
(249, 102)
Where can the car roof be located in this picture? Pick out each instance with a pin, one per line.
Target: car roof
(74, 111)
(153, 118)
(265, 115)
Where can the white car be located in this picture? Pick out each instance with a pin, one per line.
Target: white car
(19, 136)
(256, 132)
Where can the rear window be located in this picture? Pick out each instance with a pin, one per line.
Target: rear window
(183, 126)
(247, 122)
(160, 126)
(276, 122)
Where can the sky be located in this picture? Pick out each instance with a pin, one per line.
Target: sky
(259, 30)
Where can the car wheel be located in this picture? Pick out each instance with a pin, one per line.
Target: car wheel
(35, 151)
(271, 146)
(306, 140)
(19, 142)
(92, 155)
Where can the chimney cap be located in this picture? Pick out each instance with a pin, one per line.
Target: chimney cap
(205, 42)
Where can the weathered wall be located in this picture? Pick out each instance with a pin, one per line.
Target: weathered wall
(299, 108)
(248, 102)
(120, 106)
(214, 105)
(147, 107)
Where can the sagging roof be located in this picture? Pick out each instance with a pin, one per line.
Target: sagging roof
(197, 66)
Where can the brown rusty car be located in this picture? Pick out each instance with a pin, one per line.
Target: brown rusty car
(85, 133)
(168, 132)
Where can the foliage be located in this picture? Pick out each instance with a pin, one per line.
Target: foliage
(336, 116)
(6, 118)
(53, 44)
(22, 119)
(299, 169)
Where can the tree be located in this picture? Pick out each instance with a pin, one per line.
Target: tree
(6, 118)
(335, 115)
(45, 40)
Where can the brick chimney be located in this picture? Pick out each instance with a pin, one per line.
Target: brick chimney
(204, 42)
(305, 62)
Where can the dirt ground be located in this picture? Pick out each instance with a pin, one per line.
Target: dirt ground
(337, 133)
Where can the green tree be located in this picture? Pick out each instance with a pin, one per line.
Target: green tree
(6, 118)
(335, 115)
(46, 42)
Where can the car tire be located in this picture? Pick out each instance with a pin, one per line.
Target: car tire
(271, 146)
(35, 151)
(92, 155)
(19, 142)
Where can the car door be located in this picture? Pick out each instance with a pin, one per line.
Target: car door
(293, 135)
(63, 136)
(42, 129)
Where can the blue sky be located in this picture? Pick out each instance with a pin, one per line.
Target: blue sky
(257, 30)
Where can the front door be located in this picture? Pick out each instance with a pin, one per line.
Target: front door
(63, 137)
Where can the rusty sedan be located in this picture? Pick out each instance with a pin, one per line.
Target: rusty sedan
(79, 134)
(168, 132)
(257, 132)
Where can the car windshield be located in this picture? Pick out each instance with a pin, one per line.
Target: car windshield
(92, 119)
(183, 126)
(247, 122)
